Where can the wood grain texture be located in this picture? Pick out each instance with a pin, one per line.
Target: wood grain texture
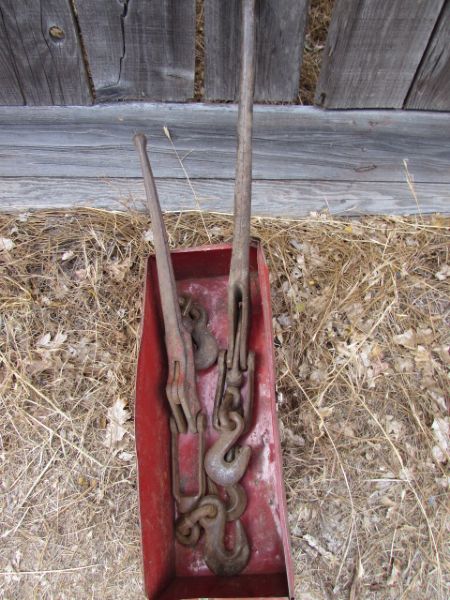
(139, 49)
(290, 142)
(431, 87)
(280, 34)
(373, 51)
(10, 92)
(49, 69)
(271, 198)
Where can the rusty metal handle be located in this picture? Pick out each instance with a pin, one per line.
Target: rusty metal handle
(238, 287)
(181, 385)
(166, 277)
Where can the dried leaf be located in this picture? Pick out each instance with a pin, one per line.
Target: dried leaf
(126, 456)
(407, 339)
(288, 436)
(284, 320)
(148, 236)
(118, 415)
(319, 374)
(325, 411)
(6, 244)
(444, 354)
(118, 269)
(441, 432)
(46, 341)
(424, 335)
(393, 427)
(68, 255)
(403, 365)
(443, 273)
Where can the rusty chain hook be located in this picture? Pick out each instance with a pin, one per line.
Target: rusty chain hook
(220, 560)
(218, 469)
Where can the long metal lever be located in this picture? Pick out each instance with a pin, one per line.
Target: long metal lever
(239, 284)
(181, 387)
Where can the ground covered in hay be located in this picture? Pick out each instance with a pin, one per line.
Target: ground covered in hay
(361, 321)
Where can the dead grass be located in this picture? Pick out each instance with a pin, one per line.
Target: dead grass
(199, 83)
(361, 313)
(319, 18)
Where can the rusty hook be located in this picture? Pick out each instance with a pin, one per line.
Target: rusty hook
(187, 503)
(237, 499)
(220, 560)
(206, 350)
(195, 320)
(218, 469)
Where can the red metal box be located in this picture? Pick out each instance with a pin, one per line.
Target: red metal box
(172, 571)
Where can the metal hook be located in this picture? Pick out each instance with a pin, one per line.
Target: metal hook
(187, 503)
(218, 469)
(237, 499)
(195, 320)
(220, 560)
(206, 349)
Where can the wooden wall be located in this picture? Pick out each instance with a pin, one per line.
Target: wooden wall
(379, 53)
(374, 51)
(304, 158)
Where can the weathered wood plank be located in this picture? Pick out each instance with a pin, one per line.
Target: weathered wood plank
(46, 53)
(10, 93)
(373, 51)
(280, 34)
(140, 50)
(431, 88)
(290, 142)
(272, 198)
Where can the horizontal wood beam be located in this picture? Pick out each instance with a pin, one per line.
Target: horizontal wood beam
(273, 198)
(290, 142)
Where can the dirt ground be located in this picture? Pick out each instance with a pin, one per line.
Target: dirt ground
(361, 321)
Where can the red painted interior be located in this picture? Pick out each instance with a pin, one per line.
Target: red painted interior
(171, 571)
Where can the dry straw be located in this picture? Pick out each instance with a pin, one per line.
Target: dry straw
(361, 315)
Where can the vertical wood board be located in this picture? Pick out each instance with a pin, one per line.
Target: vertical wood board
(10, 92)
(431, 88)
(45, 52)
(139, 49)
(373, 51)
(280, 31)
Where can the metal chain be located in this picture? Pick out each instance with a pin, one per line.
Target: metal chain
(224, 463)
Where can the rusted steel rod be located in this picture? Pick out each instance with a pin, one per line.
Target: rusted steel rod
(239, 288)
(181, 386)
